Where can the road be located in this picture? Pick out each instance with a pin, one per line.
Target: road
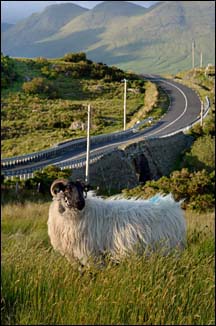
(183, 110)
(184, 107)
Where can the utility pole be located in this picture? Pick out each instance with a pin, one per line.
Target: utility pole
(88, 146)
(193, 46)
(201, 114)
(125, 100)
(201, 59)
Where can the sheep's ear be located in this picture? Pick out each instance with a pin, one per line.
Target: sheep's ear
(81, 183)
(85, 187)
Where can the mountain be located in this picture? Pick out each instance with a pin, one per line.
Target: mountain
(86, 31)
(24, 39)
(14, 11)
(5, 26)
(156, 40)
(160, 41)
(38, 26)
(103, 15)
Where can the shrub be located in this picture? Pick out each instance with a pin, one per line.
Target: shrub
(209, 124)
(201, 155)
(39, 85)
(8, 71)
(49, 73)
(75, 57)
(196, 189)
(41, 61)
(46, 177)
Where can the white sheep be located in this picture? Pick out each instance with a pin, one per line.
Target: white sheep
(82, 228)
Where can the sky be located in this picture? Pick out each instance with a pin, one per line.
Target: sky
(13, 11)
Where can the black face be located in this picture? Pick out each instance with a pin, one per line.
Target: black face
(73, 195)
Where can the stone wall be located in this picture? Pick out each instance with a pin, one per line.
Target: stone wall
(136, 162)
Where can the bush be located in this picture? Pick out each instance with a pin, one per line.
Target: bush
(49, 73)
(40, 85)
(40, 62)
(201, 155)
(209, 124)
(196, 189)
(46, 177)
(8, 71)
(75, 57)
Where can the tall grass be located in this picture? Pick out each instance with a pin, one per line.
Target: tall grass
(41, 287)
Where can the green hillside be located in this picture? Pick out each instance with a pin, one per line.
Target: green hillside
(160, 40)
(45, 101)
(154, 40)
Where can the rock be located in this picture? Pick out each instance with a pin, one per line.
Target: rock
(78, 125)
(27, 78)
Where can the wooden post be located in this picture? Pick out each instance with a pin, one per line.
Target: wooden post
(193, 46)
(201, 114)
(88, 145)
(125, 101)
(201, 59)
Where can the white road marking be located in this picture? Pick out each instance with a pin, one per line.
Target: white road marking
(185, 108)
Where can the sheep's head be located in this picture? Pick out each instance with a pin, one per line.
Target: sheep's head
(73, 196)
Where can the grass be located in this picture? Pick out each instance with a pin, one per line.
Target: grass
(196, 79)
(27, 118)
(41, 287)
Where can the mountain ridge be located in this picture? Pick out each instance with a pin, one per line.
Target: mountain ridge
(157, 39)
(42, 24)
(5, 26)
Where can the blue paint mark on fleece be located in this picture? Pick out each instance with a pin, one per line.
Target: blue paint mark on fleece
(155, 198)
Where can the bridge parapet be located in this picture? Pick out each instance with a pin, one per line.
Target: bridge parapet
(62, 148)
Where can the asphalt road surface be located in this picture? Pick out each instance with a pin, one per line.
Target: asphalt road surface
(184, 107)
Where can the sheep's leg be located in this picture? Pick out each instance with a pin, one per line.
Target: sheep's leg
(81, 269)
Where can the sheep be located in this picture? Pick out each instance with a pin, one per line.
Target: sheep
(82, 228)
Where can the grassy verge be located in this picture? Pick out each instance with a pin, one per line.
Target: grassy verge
(40, 287)
(201, 83)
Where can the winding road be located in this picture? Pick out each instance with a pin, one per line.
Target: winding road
(184, 109)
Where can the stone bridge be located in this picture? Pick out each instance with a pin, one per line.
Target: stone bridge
(136, 162)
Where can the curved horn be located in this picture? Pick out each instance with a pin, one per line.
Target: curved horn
(56, 182)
